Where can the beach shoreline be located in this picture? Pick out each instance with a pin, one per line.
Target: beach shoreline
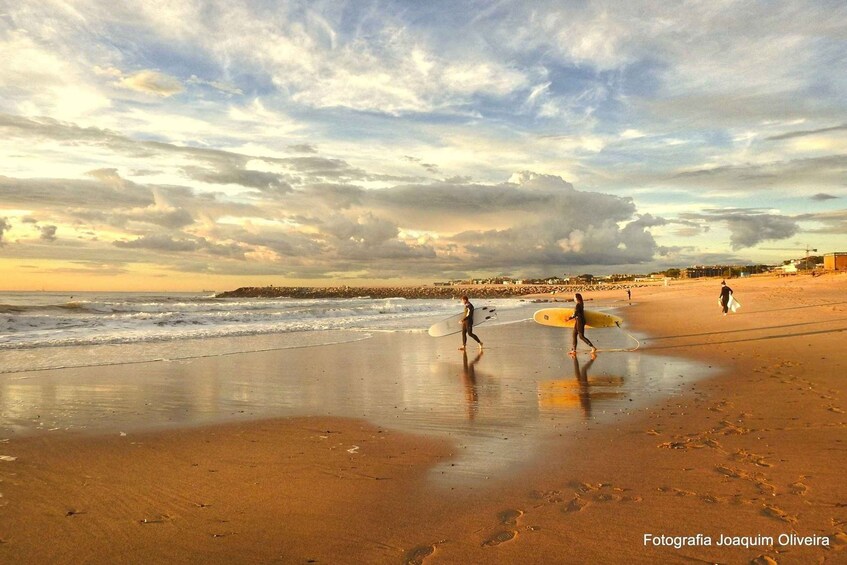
(752, 451)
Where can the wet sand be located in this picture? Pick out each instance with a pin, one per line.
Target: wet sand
(594, 458)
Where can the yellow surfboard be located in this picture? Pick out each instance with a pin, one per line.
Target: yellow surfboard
(558, 318)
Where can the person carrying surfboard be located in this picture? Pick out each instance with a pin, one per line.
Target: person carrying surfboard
(467, 324)
(579, 325)
(726, 294)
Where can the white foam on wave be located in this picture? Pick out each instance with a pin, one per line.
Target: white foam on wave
(100, 322)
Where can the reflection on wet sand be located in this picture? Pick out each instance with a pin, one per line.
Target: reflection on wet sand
(469, 380)
(499, 408)
(565, 394)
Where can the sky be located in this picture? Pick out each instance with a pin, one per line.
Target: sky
(193, 145)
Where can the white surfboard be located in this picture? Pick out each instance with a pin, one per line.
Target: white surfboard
(733, 304)
(451, 325)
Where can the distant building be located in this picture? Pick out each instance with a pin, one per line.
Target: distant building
(698, 272)
(835, 261)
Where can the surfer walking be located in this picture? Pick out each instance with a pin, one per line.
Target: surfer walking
(467, 324)
(579, 326)
(726, 294)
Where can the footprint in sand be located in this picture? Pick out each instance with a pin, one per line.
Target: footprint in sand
(744, 455)
(728, 428)
(677, 491)
(586, 487)
(734, 473)
(779, 514)
(500, 537)
(508, 518)
(764, 486)
(576, 504)
(720, 406)
(799, 487)
(550, 496)
(417, 555)
(838, 541)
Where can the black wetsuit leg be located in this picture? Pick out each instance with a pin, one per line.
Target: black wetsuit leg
(579, 331)
(468, 329)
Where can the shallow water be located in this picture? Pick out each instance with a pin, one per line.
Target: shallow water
(501, 408)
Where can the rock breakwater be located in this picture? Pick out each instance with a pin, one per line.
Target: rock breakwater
(446, 291)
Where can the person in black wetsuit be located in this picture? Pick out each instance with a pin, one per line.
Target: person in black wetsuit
(725, 295)
(579, 326)
(467, 324)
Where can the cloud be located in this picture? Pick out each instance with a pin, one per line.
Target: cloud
(833, 222)
(87, 268)
(303, 148)
(166, 243)
(795, 134)
(48, 233)
(4, 227)
(821, 196)
(152, 82)
(217, 85)
(795, 173)
(750, 227)
(103, 193)
(228, 166)
(430, 167)
(369, 237)
(227, 173)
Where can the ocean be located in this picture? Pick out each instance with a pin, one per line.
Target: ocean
(47, 330)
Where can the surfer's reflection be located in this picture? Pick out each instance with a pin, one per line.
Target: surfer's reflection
(563, 394)
(584, 392)
(469, 380)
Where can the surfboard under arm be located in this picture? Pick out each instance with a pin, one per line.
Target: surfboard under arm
(558, 318)
(449, 326)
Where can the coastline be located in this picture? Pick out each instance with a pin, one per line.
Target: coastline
(754, 450)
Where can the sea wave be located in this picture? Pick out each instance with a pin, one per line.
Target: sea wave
(134, 319)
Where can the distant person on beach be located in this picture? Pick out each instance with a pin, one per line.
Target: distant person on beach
(467, 324)
(629, 294)
(579, 326)
(725, 295)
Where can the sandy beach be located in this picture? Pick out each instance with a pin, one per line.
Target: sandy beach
(398, 449)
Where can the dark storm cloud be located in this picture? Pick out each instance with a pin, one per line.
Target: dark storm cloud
(749, 227)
